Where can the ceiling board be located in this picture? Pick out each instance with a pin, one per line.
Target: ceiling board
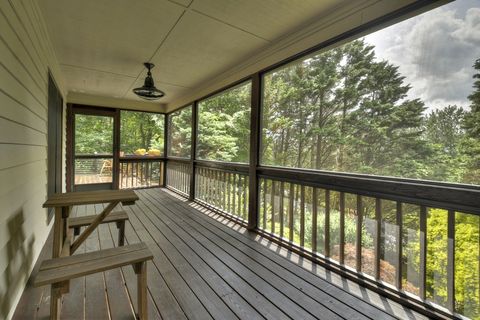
(96, 83)
(268, 19)
(199, 48)
(114, 38)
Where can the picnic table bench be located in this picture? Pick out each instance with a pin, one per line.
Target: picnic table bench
(65, 266)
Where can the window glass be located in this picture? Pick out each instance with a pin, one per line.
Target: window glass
(141, 133)
(403, 101)
(93, 134)
(180, 133)
(224, 125)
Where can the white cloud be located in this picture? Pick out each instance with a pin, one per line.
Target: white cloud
(435, 52)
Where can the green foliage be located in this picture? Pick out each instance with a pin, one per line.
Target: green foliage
(93, 134)
(141, 130)
(224, 126)
(180, 133)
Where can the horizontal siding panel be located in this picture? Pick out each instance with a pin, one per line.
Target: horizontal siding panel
(31, 216)
(14, 133)
(26, 55)
(12, 155)
(35, 173)
(11, 40)
(15, 111)
(14, 198)
(11, 62)
(13, 88)
(20, 28)
(29, 22)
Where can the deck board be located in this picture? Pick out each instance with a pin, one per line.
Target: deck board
(206, 267)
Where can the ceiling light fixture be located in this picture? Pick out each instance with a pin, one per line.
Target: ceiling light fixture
(148, 90)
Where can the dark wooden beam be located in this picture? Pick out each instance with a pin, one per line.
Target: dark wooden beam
(254, 151)
(193, 149)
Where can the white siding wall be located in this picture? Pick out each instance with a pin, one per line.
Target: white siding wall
(26, 55)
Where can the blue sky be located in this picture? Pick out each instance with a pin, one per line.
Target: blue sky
(435, 51)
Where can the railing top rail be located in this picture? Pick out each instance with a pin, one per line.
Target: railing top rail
(443, 195)
(141, 159)
(225, 166)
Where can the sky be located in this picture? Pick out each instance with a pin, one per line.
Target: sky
(435, 52)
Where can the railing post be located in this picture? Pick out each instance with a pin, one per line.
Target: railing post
(193, 150)
(254, 151)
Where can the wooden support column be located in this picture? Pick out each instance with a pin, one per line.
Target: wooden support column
(116, 151)
(193, 150)
(166, 139)
(254, 151)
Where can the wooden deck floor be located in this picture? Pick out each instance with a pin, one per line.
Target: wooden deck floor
(206, 267)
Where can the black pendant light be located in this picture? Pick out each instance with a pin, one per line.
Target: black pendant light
(148, 90)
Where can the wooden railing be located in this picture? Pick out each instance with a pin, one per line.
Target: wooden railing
(399, 234)
(399, 237)
(223, 190)
(178, 176)
(140, 172)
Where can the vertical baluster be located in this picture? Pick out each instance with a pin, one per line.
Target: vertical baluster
(217, 179)
(302, 216)
(451, 261)
(282, 191)
(224, 191)
(121, 175)
(272, 205)
(378, 230)
(290, 211)
(214, 188)
(423, 252)
(202, 186)
(244, 197)
(239, 196)
(314, 219)
(358, 233)
(327, 223)
(398, 240)
(229, 192)
(206, 185)
(131, 180)
(264, 222)
(342, 228)
(234, 187)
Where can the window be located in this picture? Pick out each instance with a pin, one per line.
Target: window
(141, 134)
(55, 108)
(401, 102)
(180, 133)
(398, 102)
(224, 125)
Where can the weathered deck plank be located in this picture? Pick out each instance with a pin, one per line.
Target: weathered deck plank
(206, 267)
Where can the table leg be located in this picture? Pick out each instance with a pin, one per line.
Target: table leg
(58, 226)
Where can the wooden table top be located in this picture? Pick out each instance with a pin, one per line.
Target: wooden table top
(126, 197)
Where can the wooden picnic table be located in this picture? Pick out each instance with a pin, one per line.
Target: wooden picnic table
(63, 203)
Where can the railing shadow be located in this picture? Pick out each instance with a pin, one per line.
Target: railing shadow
(19, 259)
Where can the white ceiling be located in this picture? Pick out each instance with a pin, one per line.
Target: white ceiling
(101, 44)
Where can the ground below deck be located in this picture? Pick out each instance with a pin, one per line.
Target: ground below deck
(205, 267)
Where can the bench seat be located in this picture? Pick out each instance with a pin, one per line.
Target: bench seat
(59, 271)
(71, 267)
(119, 217)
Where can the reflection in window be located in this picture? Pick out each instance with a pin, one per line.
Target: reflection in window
(180, 132)
(224, 125)
(141, 133)
(398, 102)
